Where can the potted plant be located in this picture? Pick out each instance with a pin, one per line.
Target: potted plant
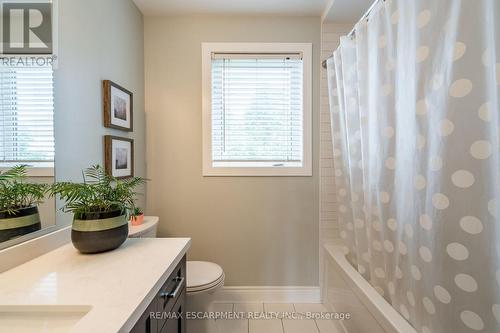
(137, 216)
(18, 203)
(100, 207)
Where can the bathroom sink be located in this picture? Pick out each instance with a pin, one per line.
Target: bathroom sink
(41, 318)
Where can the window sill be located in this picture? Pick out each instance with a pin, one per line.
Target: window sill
(34, 169)
(257, 172)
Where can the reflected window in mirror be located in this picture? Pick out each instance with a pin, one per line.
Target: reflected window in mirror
(27, 131)
(27, 116)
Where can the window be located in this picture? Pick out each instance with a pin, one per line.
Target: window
(26, 115)
(256, 109)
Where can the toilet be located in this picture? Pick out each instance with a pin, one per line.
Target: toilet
(203, 278)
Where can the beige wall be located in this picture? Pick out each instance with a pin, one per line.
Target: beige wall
(97, 40)
(261, 230)
(47, 208)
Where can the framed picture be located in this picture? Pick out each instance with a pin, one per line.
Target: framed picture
(119, 156)
(118, 106)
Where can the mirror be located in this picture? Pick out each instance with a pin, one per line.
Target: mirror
(26, 138)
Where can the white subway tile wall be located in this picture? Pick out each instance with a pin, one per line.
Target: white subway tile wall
(328, 228)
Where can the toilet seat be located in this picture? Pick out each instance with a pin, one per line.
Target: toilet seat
(203, 276)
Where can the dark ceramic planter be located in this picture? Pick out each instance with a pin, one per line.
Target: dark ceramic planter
(25, 221)
(99, 232)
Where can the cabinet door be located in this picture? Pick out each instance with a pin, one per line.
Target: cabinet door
(171, 291)
(177, 323)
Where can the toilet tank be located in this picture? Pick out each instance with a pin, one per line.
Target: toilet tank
(148, 228)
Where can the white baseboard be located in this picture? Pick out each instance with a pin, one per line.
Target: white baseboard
(286, 294)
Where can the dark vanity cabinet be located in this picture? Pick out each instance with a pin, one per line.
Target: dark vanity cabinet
(165, 314)
(176, 324)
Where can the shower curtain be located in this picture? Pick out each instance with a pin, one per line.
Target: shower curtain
(415, 103)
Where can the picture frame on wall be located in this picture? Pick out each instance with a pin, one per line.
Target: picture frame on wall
(119, 156)
(118, 106)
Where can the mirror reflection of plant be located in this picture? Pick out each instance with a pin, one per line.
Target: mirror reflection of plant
(137, 211)
(98, 193)
(16, 193)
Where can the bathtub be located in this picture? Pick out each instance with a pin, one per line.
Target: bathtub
(345, 290)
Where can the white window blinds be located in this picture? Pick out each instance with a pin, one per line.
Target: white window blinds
(26, 114)
(257, 110)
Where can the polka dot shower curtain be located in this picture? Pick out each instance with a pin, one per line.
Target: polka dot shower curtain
(415, 100)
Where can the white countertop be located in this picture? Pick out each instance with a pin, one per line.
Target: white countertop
(117, 285)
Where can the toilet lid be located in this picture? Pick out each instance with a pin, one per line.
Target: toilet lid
(202, 273)
(217, 284)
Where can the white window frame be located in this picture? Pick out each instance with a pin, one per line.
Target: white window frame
(33, 169)
(207, 49)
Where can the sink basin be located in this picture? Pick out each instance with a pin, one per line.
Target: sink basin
(41, 318)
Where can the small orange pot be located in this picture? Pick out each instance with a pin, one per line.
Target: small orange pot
(136, 220)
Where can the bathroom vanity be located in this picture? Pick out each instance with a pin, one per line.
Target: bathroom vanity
(65, 291)
(164, 313)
